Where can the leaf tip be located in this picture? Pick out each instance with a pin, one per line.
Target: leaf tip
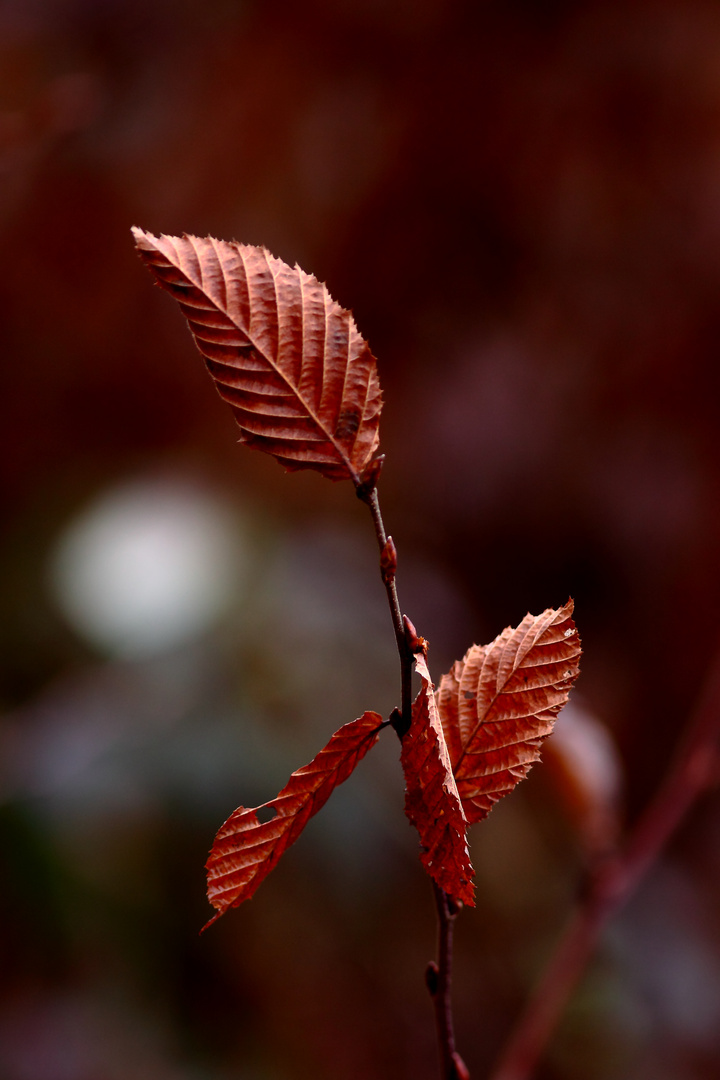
(138, 234)
(215, 918)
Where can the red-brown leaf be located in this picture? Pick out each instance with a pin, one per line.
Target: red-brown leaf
(301, 380)
(432, 802)
(246, 849)
(500, 701)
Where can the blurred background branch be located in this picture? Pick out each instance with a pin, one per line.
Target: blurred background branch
(613, 880)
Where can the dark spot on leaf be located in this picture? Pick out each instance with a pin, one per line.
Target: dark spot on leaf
(265, 813)
(347, 425)
(468, 695)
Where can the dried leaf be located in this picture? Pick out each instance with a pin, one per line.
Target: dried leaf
(500, 701)
(246, 849)
(432, 802)
(301, 380)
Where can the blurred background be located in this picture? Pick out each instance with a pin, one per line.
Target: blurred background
(521, 203)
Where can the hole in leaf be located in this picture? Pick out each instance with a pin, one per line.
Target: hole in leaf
(265, 814)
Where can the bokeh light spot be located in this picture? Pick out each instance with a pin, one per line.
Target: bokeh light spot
(149, 566)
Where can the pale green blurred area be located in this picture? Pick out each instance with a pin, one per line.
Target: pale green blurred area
(520, 203)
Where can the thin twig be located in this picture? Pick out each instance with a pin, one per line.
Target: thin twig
(370, 498)
(438, 975)
(439, 982)
(615, 881)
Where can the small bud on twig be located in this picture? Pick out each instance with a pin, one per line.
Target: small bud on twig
(369, 478)
(415, 643)
(388, 560)
(454, 907)
(431, 978)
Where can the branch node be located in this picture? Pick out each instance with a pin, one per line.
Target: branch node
(395, 719)
(369, 478)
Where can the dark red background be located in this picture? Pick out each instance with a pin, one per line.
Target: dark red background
(521, 203)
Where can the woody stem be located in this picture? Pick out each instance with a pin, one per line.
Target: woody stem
(439, 982)
(439, 975)
(370, 498)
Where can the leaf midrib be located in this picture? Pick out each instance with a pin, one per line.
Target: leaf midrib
(268, 360)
